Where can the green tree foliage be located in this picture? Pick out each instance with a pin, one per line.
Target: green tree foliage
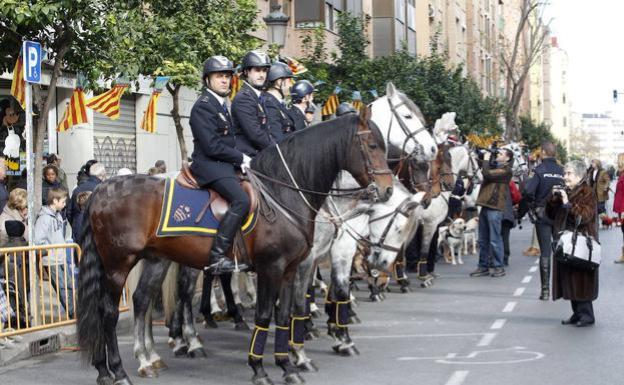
(534, 134)
(434, 86)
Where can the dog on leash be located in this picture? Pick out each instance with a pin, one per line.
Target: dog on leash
(452, 238)
(607, 222)
(470, 236)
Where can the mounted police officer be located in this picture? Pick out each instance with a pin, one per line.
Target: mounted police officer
(345, 108)
(248, 110)
(538, 189)
(278, 119)
(215, 157)
(301, 96)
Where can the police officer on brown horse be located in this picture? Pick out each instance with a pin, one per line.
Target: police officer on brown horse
(216, 159)
(301, 96)
(248, 110)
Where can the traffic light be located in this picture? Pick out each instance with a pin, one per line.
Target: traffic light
(615, 94)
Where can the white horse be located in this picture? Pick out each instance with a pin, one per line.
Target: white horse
(383, 227)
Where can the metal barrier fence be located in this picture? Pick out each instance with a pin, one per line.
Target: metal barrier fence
(40, 285)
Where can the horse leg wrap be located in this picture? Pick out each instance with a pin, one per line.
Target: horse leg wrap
(399, 271)
(297, 330)
(422, 269)
(342, 313)
(282, 333)
(309, 300)
(258, 341)
(330, 309)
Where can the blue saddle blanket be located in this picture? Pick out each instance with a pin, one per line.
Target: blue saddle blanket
(182, 207)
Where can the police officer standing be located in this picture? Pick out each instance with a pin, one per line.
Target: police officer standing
(248, 110)
(278, 119)
(301, 96)
(216, 159)
(548, 174)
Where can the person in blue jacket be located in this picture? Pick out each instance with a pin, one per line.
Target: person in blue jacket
(278, 119)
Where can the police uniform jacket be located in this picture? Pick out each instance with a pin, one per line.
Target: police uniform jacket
(298, 118)
(548, 174)
(250, 121)
(278, 120)
(214, 155)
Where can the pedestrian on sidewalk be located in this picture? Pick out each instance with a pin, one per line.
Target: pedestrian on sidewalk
(564, 207)
(547, 175)
(618, 200)
(492, 197)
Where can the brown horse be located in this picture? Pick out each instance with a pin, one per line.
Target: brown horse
(123, 215)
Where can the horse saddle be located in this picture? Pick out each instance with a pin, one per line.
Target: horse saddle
(217, 203)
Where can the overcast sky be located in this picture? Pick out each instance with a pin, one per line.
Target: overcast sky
(592, 33)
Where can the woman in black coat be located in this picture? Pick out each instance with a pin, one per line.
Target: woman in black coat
(576, 200)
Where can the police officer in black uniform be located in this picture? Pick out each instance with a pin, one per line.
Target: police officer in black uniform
(216, 159)
(301, 96)
(278, 119)
(345, 108)
(248, 110)
(548, 174)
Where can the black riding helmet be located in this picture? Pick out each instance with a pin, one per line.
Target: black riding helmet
(217, 63)
(300, 90)
(255, 58)
(345, 108)
(278, 71)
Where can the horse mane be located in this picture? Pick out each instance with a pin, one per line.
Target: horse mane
(314, 155)
(413, 107)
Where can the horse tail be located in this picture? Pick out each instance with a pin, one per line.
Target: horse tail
(170, 291)
(92, 301)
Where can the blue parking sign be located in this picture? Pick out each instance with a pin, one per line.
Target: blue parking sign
(32, 61)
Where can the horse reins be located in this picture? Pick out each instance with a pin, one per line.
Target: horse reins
(409, 134)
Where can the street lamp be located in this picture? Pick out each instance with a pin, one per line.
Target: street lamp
(276, 22)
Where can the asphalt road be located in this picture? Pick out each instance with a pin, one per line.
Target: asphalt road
(462, 330)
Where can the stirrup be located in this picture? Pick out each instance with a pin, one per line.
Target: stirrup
(224, 265)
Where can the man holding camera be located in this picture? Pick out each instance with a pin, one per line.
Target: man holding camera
(548, 177)
(492, 196)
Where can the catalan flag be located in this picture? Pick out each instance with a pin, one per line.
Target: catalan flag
(236, 85)
(18, 85)
(332, 103)
(357, 100)
(149, 117)
(296, 67)
(108, 102)
(75, 113)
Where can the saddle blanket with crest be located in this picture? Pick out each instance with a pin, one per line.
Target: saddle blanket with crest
(185, 212)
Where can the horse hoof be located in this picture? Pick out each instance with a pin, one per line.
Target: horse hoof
(159, 365)
(210, 324)
(293, 379)
(375, 298)
(405, 289)
(316, 314)
(106, 380)
(241, 326)
(171, 343)
(198, 353)
(182, 352)
(336, 348)
(261, 380)
(307, 366)
(309, 336)
(349, 352)
(123, 381)
(355, 320)
(148, 372)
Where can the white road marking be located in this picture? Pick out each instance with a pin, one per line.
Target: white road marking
(519, 291)
(487, 339)
(526, 279)
(509, 307)
(533, 269)
(498, 324)
(458, 377)
(418, 336)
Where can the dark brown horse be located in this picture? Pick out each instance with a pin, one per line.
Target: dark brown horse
(123, 215)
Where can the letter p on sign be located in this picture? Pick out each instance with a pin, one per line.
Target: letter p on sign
(32, 61)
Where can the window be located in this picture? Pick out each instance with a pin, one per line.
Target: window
(354, 6)
(411, 15)
(308, 13)
(411, 42)
(329, 16)
(399, 10)
(399, 35)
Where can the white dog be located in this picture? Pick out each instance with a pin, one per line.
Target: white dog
(470, 235)
(452, 237)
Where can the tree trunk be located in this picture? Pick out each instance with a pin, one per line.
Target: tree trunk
(43, 102)
(177, 120)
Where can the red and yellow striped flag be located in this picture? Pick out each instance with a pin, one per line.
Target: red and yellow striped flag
(75, 113)
(331, 105)
(108, 102)
(296, 67)
(18, 85)
(149, 116)
(235, 86)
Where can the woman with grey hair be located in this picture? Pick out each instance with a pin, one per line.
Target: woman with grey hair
(576, 200)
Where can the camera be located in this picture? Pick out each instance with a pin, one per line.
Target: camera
(556, 189)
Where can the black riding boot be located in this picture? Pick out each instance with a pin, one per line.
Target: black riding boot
(545, 278)
(218, 262)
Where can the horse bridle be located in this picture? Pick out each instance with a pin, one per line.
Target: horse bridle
(408, 134)
(370, 169)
